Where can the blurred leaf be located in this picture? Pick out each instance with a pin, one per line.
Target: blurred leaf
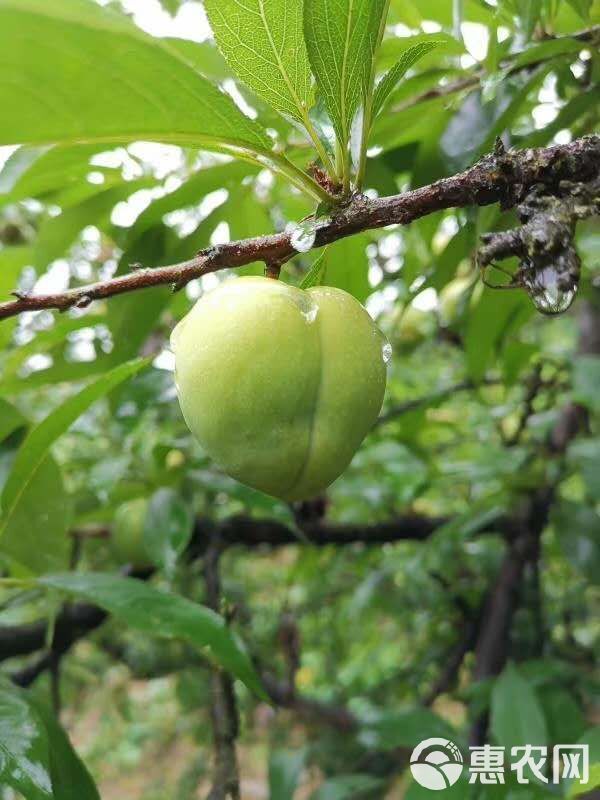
(341, 38)
(563, 714)
(347, 787)
(160, 614)
(24, 745)
(191, 193)
(37, 758)
(56, 234)
(393, 77)
(10, 419)
(408, 728)
(12, 262)
(493, 315)
(586, 380)
(34, 528)
(578, 532)
(574, 787)
(70, 778)
(347, 266)
(582, 7)
(264, 46)
(473, 129)
(16, 165)
(516, 716)
(285, 768)
(584, 454)
(544, 51)
(33, 489)
(168, 529)
(46, 169)
(163, 98)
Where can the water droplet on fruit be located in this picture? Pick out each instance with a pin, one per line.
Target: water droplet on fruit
(386, 353)
(303, 235)
(308, 308)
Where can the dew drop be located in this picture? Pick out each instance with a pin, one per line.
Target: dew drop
(549, 292)
(308, 308)
(303, 235)
(386, 353)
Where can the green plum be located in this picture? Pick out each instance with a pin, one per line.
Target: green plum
(280, 385)
(127, 538)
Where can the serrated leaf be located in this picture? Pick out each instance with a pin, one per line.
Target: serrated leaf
(109, 82)
(393, 77)
(161, 614)
(33, 489)
(342, 38)
(263, 44)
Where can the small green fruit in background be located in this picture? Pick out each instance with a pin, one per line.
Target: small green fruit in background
(412, 326)
(280, 385)
(127, 537)
(453, 299)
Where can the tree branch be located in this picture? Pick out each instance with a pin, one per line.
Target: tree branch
(474, 78)
(223, 707)
(504, 178)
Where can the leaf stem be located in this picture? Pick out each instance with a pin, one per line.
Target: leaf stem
(319, 146)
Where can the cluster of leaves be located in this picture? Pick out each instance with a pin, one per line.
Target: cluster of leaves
(82, 199)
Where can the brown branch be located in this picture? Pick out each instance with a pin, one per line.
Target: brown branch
(494, 178)
(473, 80)
(223, 707)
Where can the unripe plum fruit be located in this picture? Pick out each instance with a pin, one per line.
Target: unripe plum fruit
(280, 385)
(127, 536)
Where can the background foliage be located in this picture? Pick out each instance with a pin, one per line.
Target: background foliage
(117, 173)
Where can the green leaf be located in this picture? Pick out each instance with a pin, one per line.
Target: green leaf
(32, 488)
(347, 266)
(577, 530)
(315, 274)
(168, 529)
(43, 169)
(12, 262)
(263, 44)
(408, 728)
(393, 77)
(161, 614)
(342, 38)
(347, 787)
(285, 768)
(516, 716)
(495, 314)
(36, 757)
(584, 454)
(70, 777)
(34, 528)
(546, 50)
(56, 234)
(109, 82)
(24, 745)
(10, 419)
